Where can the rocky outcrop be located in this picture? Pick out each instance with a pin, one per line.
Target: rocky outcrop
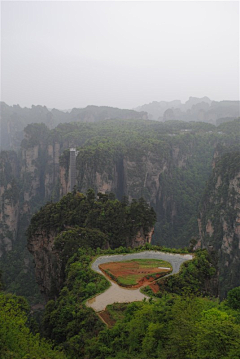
(30, 172)
(9, 215)
(159, 176)
(52, 167)
(9, 200)
(219, 222)
(64, 181)
(47, 263)
(49, 268)
(141, 238)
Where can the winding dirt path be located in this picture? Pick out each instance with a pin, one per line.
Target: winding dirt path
(117, 294)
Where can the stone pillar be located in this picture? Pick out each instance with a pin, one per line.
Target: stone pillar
(72, 169)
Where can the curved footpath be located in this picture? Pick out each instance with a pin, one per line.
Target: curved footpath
(117, 294)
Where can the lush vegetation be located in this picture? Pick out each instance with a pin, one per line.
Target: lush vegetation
(82, 220)
(175, 323)
(146, 329)
(72, 326)
(172, 326)
(197, 276)
(17, 337)
(67, 321)
(179, 327)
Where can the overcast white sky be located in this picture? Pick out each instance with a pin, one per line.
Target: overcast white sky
(121, 54)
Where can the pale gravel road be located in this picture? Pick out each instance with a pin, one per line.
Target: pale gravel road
(117, 294)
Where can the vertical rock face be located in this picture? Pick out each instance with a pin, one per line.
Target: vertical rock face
(161, 177)
(64, 181)
(132, 175)
(155, 172)
(9, 200)
(52, 174)
(219, 222)
(141, 238)
(30, 172)
(101, 179)
(47, 263)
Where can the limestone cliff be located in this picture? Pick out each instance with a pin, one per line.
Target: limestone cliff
(167, 164)
(52, 173)
(141, 238)
(9, 200)
(30, 172)
(49, 267)
(169, 172)
(58, 230)
(170, 178)
(47, 263)
(219, 221)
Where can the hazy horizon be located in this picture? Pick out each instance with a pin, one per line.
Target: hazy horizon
(119, 54)
(106, 105)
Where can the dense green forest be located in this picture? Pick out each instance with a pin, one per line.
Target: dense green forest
(171, 324)
(179, 321)
(79, 220)
(104, 220)
(171, 327)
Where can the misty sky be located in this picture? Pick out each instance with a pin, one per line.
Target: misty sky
(121, 54)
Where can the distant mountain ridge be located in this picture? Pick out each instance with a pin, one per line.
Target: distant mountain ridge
(15, 118)
(195, 109)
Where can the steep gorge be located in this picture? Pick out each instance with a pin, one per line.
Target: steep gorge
(166, 164)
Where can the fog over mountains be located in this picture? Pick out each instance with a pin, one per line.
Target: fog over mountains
(15, 118)
(195, 109)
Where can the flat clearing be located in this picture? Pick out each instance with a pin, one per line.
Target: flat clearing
(136, 272)
(118, 294)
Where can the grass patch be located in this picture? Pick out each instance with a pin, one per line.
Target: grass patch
(151, 263)
(117, 310)
(130, 280)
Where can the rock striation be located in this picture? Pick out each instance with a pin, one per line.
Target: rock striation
(48, 269)
(219, 220)
(9, 200)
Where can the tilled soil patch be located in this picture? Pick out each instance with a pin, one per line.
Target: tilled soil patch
(133, 270)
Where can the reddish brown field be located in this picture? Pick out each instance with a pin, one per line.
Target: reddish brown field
(134, 274)
(154, 286)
